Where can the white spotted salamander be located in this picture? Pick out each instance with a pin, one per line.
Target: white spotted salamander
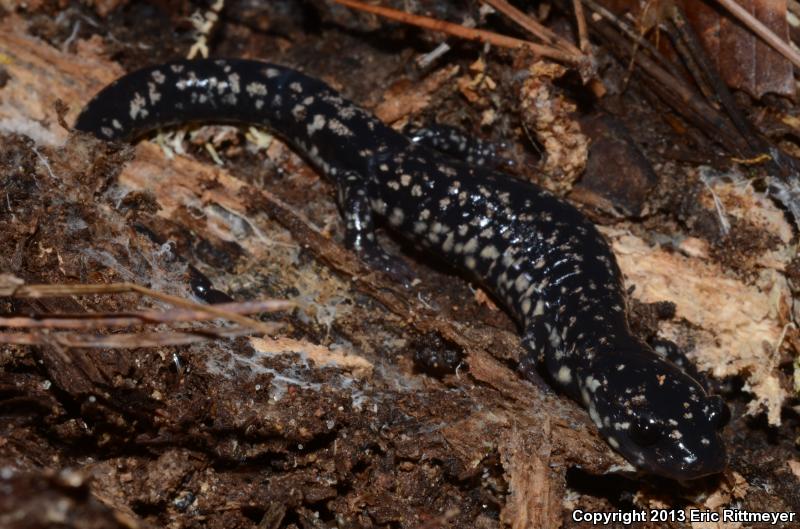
(538, 255)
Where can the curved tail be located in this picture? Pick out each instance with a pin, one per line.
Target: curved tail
(305, 111)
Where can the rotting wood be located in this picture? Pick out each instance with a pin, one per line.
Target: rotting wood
(218, 188)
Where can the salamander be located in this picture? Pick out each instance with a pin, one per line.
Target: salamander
(538, 255)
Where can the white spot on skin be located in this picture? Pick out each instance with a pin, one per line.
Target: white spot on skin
(188, 82)
(296, 87)
(447, 245)
(555, 340)
(470, 262)
(585, 396)
(220, 86)
(490, 252)
(233, 80)
(526, 306)
(564, 375)
(416, 190)
(397, 217)
(447, 170)
(405, 179)
(137, 107)
(256, 89)
(299, 112)
(595, 416)
(539, 310)
(272, 72)
(613, 442)
(158, 76)
(592, 383)
(471, 245)
(317, 124)
(379, 206)
(521, 282)
(348, 111)
(338, 128)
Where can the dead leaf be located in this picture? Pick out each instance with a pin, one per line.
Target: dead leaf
(744, 60)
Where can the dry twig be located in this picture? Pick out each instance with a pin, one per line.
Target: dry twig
(583, 31)
(531, 25)
(479, 35)
(121, 341)
(95, 320)
(40, 291)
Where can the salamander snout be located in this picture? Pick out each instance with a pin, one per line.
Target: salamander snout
(657, 416)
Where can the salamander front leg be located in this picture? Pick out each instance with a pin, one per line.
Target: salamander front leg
(670, 351)
(360, 229)
(537, 349)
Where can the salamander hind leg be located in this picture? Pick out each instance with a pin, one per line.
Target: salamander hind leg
(354, 201)
(456, 143)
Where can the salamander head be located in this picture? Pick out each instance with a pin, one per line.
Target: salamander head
(656, 416)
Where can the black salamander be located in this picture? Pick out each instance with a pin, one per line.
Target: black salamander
(538, 255)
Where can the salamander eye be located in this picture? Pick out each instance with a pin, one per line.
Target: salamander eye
(645, 432)
(719, 413)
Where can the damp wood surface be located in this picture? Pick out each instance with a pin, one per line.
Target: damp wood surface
(331, 419)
